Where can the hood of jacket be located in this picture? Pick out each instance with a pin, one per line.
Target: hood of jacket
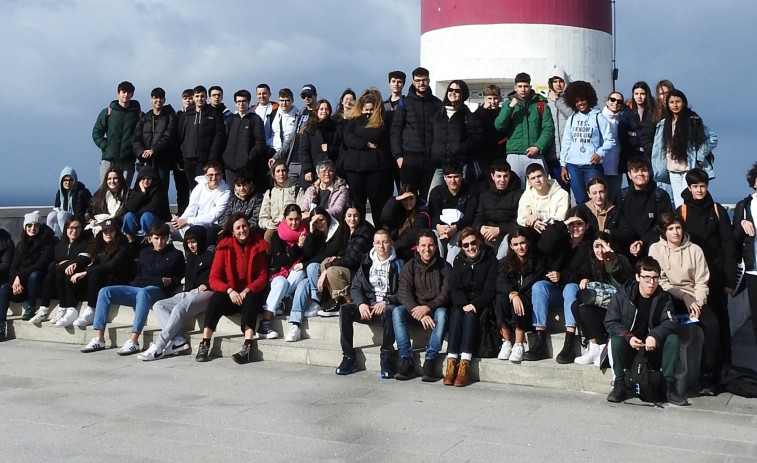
(200, 234)
(133, 106)
(373, 259)
(147, 171)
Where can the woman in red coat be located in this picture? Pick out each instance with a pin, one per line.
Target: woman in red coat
(238, 276)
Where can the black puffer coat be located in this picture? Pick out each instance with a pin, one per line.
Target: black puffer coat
(33, 254)
(474, 282)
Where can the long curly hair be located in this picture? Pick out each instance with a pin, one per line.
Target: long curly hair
(98, 246)
(689, 130)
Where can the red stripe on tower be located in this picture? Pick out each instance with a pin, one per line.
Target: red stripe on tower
(587, 14)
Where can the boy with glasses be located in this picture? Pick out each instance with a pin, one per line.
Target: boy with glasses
(206, 203)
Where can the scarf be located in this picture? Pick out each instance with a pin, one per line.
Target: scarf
(290, 237)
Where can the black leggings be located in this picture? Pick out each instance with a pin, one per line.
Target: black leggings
(349, 314)
(590, 320)
(711, 362)
(464, 331)
(374, 186)
(58, 284)
(220, 304)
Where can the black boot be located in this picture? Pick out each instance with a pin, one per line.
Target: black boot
(568, 352)
(406, 370)
(429, 375)
(618, 393)
(673, 397)
(539, 350)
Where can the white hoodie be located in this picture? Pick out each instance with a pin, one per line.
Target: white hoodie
(379, 274)
(206, 205)
(549, 208)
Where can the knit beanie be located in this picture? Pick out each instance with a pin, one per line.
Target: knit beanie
(32, 217)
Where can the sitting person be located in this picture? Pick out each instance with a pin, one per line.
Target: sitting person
(424, 295)
(108, 201)
(238, 278)
(473, 286)
(608, 273)
(172, 312)
(544, 202)
(518, 272)
(146, 204)
(63, 266)
(336, 273)
(328, 191)
(72, 198)
(283, 193)
(206, 203)
(405, 217)
(325, 241)
(32, 255)
(603, 214)
(161, 268)
(452, 207)
(374, 295)
(685, 275)
(640, 316)
(497, 209)
(243, 200)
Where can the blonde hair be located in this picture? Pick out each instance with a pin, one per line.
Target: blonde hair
(369, 95)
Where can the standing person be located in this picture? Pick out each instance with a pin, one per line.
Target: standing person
(473, 286)
(710, 228)
(681, 143)
(7, 249)
(154, 137)
(424, 295)
(558, 80)
(284, 127)
(456, 136)
(202, 136)
(622, 124)
(648, 130)
(237, 278)
(526, 120)
(72, 198)
(396, 84)
(642, 106)
(374, 295)
(177, 167)
(246, 150)
(173, 312)
(640, 316)
(587, 140)
(26, 273)
(266, 111)
(411, 132)
(291, 149)
(493, 143)
(346, 102)
(161, 268)
(113, 131)
(367, 159)
(109, 200)
(318, 142)
(215, 97)
(744, 220)
(146, 205)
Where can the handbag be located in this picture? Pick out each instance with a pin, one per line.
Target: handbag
(648, 384)
(597, 294)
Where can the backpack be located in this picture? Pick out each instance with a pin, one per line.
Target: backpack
(539, 107)
(740, 381)
(648, 384)
(491, 340)
(714, 206)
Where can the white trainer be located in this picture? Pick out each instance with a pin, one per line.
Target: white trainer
(41, 315)
(517, 354)
(69, 317)
(177, 345)
(94, 345)
(152, 353)
(58, 314)
(598, 361)
(295, 333)
(505, 350)
(86, 317)
(590, 355)
(130, 347)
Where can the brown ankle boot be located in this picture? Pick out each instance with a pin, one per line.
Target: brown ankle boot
(463, 374)
(449, 375)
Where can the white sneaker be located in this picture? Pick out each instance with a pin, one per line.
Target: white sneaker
(129, 347)
(598, 361)
(94, 345)
(590, 356)
(58, 315)
(40, 316)
(177, 345)
(312, 309)
(517, 354)
(69, 317)
(152, 353)
(505, 351)
(294, 334)
(86, 317)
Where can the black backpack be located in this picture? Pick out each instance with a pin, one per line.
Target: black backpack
(491, 341)
(740, 381)
(648, 384)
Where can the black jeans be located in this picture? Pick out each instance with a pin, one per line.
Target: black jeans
(375, 186)
(590, 320)
(416, 171)
(349, 313)
(711, 363)
(464, 331)
(220, 304)
(503, 310)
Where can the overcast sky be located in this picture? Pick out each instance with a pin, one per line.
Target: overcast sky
(64, 59)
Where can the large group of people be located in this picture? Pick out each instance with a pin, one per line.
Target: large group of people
(508, 210)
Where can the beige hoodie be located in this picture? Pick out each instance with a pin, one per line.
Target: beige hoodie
(549, 208)
(684, 270)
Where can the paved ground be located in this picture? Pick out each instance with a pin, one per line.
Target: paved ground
(59, 405)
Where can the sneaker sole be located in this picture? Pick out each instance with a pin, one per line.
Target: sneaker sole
(145, 358)
(92, 349)
(183, 349)
(126, 354)
(346, 372)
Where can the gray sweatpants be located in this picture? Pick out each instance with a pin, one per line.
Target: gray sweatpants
(172, 312)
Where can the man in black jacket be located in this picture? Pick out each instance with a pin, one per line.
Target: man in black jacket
(452, 207)
(202, 136)
(494, 144)
(640, 316)
(154, 135)
(412, 132)
(246, 150)
(497, 209)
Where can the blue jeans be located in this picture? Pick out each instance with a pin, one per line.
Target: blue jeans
(281, 287)
(580, 176)
(400, 317)
(305, 288)
(546, 294)
(141, 299)
(133, 225)
(32, 288)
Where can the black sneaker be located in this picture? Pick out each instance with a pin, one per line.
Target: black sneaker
(203, 352)
(265, 331)
(407, 369)
(332, 308)
(429, 375)
(244, 355)
(387, 369)
(348, 365)
(673, 397)
(28, 312)
(540, 350)
(618, 393)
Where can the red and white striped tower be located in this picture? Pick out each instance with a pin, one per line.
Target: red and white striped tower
(490, 41)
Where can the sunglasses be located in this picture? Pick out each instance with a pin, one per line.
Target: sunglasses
(470, 244)
(454, 90)
(615, 100)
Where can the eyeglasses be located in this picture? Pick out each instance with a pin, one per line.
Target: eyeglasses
(306, 97)
(615, 100)
(470, 244)
(74, 228)
(454, 90)
(650, 278)
(421, 81)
